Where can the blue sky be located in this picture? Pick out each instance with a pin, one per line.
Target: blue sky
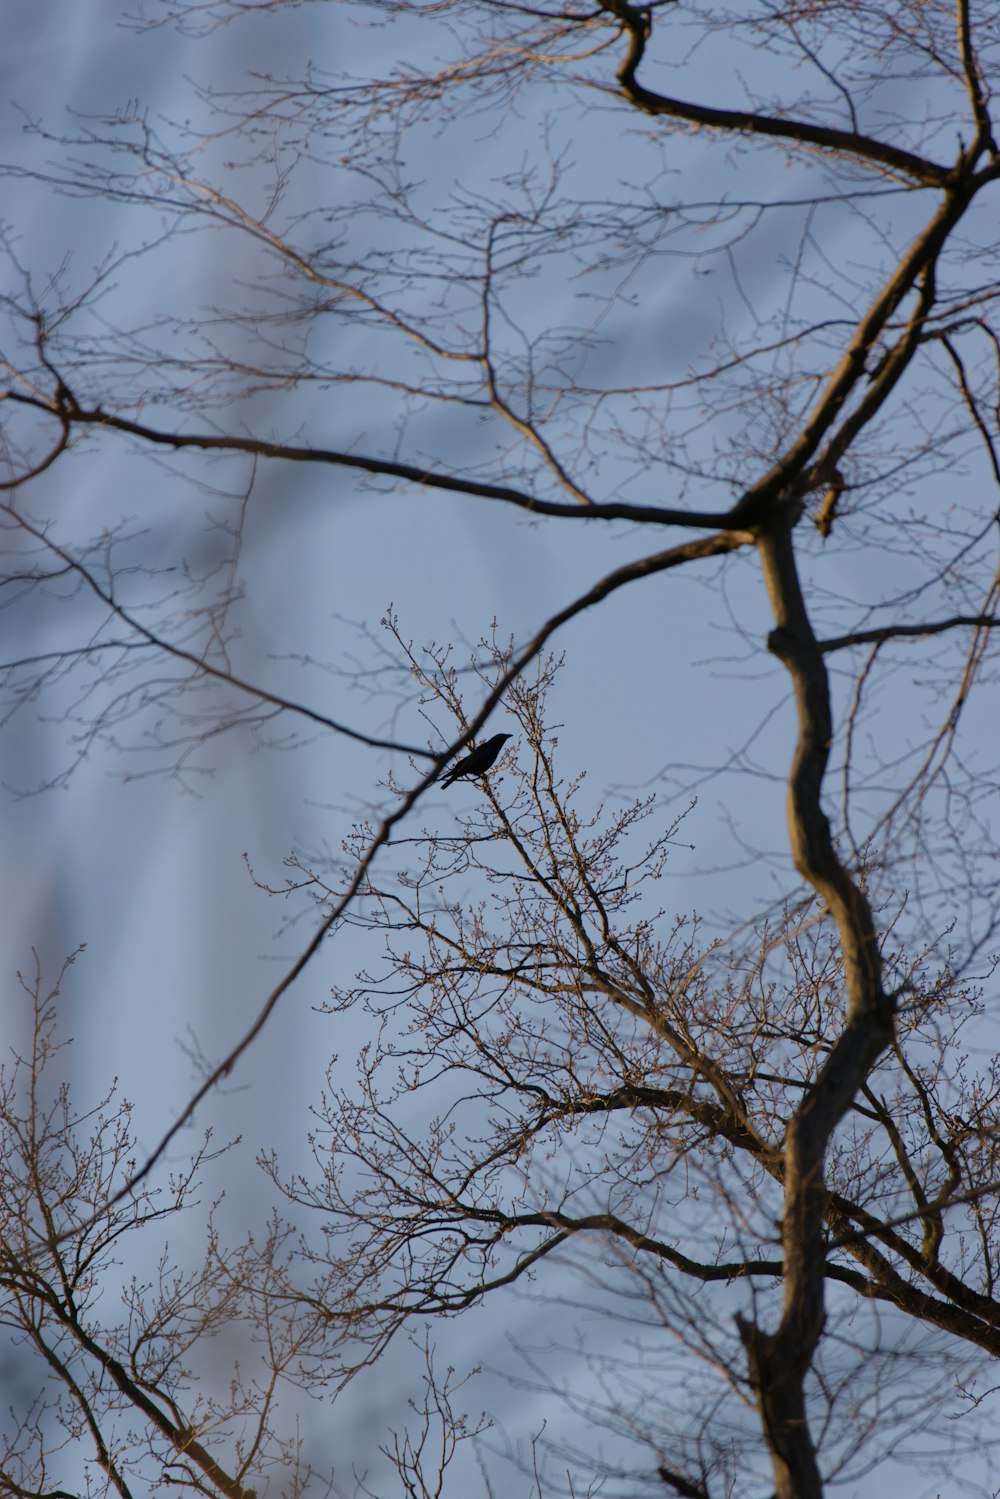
(661, 688)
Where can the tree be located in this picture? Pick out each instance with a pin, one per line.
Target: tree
(765, 1135)
(65, 1219)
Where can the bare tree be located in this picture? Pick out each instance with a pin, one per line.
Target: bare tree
(111, 1402)
(769, 1141)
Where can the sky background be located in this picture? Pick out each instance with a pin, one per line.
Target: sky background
(661, 686)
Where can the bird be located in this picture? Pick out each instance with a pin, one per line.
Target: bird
(478, 761)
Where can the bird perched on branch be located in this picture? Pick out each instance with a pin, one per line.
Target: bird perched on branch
(478, 761)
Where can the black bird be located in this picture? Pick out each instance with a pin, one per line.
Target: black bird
(478, 761)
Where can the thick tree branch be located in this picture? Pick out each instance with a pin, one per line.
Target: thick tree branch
(879, 633)
(779, 1361)
(427, 478)
(637, 22)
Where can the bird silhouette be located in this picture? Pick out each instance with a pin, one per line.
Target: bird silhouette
(478, 761)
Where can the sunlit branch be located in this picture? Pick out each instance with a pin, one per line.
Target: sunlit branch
(386, 468)
(879, 633)
(637, 21)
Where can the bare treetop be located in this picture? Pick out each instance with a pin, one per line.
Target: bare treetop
(663, 336)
